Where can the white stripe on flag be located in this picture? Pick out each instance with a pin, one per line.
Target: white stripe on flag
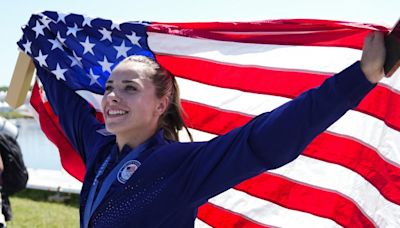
(93, 98)
(308, 58)
(198, 136)
(318, 59)
(266, 212)
(200, 224)
(228, 99)
(370, 131)
(344, 181)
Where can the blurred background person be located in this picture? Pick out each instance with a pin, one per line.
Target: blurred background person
(13, 172)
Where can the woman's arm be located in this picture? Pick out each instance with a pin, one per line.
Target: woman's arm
(75, 115)
(270, 140)
(276, 138)
(283, 134)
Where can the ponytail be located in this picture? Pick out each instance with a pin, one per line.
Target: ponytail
(172, 121)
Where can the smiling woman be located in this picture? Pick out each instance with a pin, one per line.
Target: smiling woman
(141, 175)
(141, 108)
(141, 98)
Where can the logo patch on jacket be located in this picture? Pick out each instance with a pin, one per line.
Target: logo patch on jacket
(127, 170)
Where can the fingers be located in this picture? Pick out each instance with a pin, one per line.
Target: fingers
(368, 40)
(373, 56)
(374, 41)
(377, 40)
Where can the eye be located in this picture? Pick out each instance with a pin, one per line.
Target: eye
(108, 88)
(130, 88)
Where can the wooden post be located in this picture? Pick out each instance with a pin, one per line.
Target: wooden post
(20, 81)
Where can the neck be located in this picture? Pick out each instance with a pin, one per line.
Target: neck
(133, 140)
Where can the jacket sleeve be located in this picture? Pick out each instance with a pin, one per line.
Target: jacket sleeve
(75, 116)
(271, 139)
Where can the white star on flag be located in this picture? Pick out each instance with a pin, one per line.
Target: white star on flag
(134, 38)
(93, 78)
(73, 30)
(59, 72)
(46, 21)
(41, 59)
(62, 40)
(88, 47)
(38, 29)
(105, 65)
(56, 44)
(61, 17)
(122, 50)
(87, 21)
(76, 60)
(27, 47)
(106, 34)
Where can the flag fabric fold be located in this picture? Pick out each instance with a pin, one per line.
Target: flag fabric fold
(229, 72)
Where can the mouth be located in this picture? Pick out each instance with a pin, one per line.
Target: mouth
(116, 113)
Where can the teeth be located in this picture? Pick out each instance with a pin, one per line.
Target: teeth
(116, 112)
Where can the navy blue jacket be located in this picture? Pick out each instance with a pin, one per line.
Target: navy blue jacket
(176, 178)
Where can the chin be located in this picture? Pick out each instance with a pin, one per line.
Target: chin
(113, 128)
(119, 129)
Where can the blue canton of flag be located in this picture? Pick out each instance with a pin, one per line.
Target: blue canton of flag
(71, 45)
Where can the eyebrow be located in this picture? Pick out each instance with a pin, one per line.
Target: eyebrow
(123, 81)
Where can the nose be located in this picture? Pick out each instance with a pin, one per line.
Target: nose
(113, 97)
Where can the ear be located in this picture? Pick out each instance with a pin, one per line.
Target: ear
(162, 105)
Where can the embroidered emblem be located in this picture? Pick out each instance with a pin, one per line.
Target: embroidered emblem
(127, 170)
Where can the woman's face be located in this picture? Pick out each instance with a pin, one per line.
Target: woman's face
(130, 104)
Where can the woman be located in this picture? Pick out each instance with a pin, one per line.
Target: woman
(142, 177)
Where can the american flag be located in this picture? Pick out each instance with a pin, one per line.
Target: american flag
(229, 72)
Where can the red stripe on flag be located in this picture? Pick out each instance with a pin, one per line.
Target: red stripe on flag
(279, 83)
(219, 217)
(289, 32)
(385, 178)
(286, 25)
(382, 103)
(304, 198)
(70, 159)
(245, 78)
(360, 158)
(211, 119)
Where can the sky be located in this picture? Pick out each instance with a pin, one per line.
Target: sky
(16, 13)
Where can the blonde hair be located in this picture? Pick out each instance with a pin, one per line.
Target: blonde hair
(172, 119)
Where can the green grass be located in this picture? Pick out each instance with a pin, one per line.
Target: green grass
(13, 115)
(32, 208)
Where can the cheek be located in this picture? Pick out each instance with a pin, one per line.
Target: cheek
(142, 108)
